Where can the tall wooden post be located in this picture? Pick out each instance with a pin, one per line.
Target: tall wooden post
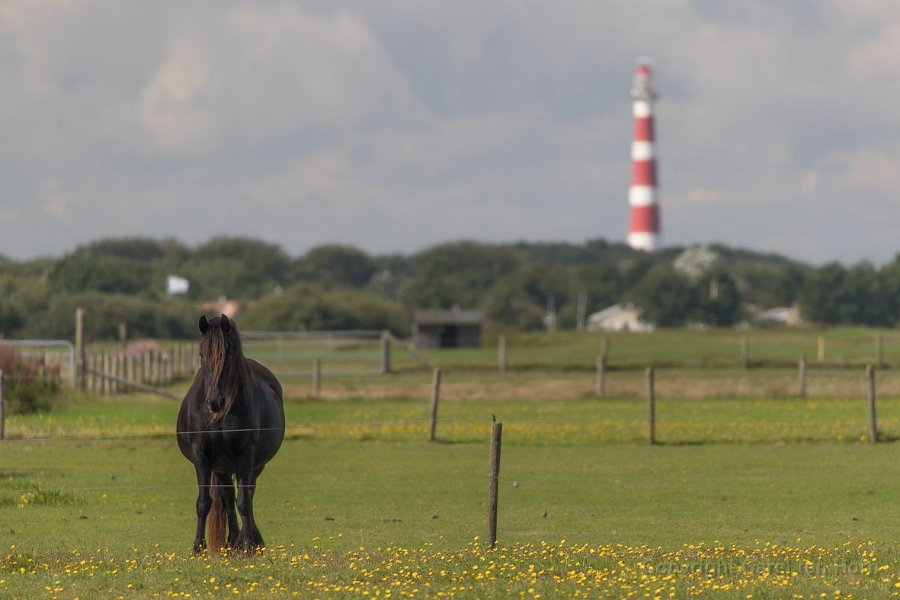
(601, 375)
(79, 349)
(651, 406)
(820, 348)
(435, 398)
(91, 366)
(801, 377)
(493, 485)
(105, 369)
(501, 353)
(317, 377)
(385, 353)
(873, 421)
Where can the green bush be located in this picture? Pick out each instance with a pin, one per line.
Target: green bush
(31, 396)
(29, 391)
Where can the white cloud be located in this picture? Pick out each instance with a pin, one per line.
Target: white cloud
(172, 106)
(55, 201)
(259, 72)
(866, 168)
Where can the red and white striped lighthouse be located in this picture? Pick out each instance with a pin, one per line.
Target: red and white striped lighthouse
(643, 232)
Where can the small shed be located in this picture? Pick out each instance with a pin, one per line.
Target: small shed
(455, 328)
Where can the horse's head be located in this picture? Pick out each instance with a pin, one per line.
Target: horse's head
(221, 359)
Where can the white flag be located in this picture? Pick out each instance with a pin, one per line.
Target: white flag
(176, 285)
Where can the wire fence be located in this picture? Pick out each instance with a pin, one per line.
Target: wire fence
(294, 353)
(539, 478)
(537, 431)
(594, 425)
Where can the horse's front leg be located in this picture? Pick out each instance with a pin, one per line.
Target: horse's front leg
(227, 490)
(249, 539)
(204, 501)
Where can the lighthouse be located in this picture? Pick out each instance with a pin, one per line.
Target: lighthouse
(643, 231)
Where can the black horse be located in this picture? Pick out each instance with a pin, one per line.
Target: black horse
(231, 423)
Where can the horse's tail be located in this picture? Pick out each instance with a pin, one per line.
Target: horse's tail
(215, 520)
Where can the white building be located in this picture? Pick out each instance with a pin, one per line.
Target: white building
(619, 317)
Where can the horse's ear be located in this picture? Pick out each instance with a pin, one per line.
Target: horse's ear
(204, 324)
(225, 324)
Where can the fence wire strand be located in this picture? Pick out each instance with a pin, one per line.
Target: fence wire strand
(520, 478)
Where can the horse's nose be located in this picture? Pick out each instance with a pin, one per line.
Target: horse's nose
(215, 402)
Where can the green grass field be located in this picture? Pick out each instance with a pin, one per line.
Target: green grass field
(746, 495)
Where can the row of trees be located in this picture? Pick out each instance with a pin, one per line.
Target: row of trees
(339, 287)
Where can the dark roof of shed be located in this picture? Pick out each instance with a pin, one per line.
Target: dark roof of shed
(449, 317)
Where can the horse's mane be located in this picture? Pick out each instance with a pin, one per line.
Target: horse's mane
(218, 345)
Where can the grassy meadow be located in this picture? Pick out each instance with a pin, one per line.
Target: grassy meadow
(751, 491)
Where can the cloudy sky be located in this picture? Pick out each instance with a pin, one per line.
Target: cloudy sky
(396, 125)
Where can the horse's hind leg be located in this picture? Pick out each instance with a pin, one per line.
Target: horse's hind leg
(229, 500)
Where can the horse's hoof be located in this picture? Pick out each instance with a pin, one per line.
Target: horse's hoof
(249, 547)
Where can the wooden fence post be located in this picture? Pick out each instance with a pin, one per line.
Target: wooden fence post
(435, 398)
(164, 376)
(801, 376)
(493, 485)
(178, 360)
(820, 348)
(501, 353)
(651, 406)
(192, 359)
(601, 375)
(79, 348)
(92, 368)
(385, 353)
(113, 373)
(130, 370)
(873, 421)
(120, 372)
(103, 367)
(187, 359)
(97, 377)
(317, 377)
(147, 369)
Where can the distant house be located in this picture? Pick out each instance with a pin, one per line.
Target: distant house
(619, 317)
(782, 316)
(447, 328)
